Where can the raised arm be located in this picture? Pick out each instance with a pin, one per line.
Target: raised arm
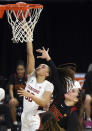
(45, 55)
(58, 86)
(30, 58)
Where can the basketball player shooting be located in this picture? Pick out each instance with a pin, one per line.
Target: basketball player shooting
(38, 90)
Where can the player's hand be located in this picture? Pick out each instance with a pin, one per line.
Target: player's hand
(44, 53)
(28, 31)
(22, 92)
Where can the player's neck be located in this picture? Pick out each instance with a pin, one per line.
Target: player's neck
(69, 103)
(40, 79)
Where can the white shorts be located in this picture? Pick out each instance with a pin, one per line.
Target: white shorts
(30, 122)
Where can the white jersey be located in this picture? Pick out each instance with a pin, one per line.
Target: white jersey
(37, 89)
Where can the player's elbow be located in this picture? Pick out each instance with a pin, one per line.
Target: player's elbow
(45, 103)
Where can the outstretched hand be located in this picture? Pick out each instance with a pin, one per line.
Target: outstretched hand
(44, 53)
(28, 31)
(22, 92)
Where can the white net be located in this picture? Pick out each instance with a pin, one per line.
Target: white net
(23, 23)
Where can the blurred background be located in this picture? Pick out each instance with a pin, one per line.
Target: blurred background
(65, 26)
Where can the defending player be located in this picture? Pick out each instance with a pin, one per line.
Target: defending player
(68, 109)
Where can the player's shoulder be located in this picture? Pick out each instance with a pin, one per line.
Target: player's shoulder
(49, 83)
(49, 86)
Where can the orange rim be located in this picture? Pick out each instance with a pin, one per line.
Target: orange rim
(1, 13)
(20, 6)
(2, 9)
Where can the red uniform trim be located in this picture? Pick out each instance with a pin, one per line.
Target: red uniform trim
(73, 109)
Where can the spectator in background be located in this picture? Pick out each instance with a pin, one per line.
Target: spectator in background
(88, 91)
(5, 115)
(17, 81)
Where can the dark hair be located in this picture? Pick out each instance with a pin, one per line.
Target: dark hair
(66, 72)
(72, 66)
(49, 122)
(20, 62)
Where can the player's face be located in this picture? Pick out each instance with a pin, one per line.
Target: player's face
(20, 70)
(42, 70)
(72, 94)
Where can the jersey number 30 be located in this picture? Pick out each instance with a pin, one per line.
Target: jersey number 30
(28, 98)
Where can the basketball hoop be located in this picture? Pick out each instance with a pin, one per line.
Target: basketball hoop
(21, 15)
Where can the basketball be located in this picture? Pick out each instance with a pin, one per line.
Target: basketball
(21, 13)
(2, 94)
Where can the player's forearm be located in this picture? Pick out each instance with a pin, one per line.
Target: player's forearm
(40, 102)
(30, 58)
(58, 85)
(30, 64)
(29, 48)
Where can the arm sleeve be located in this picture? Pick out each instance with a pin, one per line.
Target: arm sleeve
(72, 122)
(58, 86)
